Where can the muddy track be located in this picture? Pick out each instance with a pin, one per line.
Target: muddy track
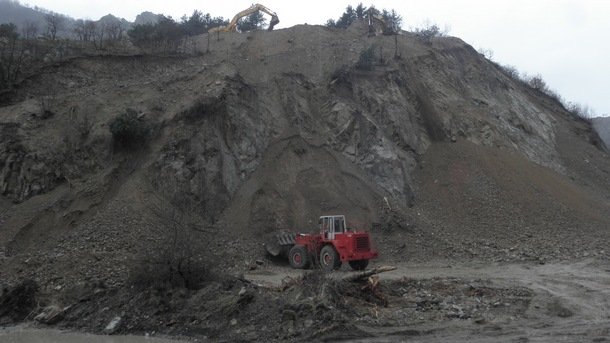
(568, 301)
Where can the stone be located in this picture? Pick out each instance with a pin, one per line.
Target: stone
(113, 325)
(51, 315)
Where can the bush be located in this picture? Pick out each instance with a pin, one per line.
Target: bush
(511, 72)
(580, 111)
(365, 61)
(176, 255)
(537, 83)
(429, 31)
(128, 130)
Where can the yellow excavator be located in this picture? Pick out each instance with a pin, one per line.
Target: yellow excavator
(232, 27)
(376, 20)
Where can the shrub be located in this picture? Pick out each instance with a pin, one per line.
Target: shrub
(175, 256)
(580, 111)
(537, 83)
(487, 53)
(128, 129)
(365, 61)
(511, 72)
(429, 31)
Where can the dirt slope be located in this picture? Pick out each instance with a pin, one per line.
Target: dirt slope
(269, 130)
(602, 126)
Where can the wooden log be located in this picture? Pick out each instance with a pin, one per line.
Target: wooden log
(365, 274)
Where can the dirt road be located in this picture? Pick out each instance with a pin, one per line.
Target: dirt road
(567, 302)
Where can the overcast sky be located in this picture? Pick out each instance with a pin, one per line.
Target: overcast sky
(566, 41)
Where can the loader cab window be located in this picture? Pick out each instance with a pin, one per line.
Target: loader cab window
(325, 226)
(339, 225)
(331, 225)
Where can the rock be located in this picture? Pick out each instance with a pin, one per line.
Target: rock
(51, 315)
(233, 322)
(308, 323)
(242, 291)
(113, 325)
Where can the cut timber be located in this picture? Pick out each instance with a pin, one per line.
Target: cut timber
(364, 275)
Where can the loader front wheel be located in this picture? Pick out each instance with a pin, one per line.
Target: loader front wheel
(359, 264)
(329, 259)
(298, 257)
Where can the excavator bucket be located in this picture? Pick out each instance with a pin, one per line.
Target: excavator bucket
(274, 21)
(280, 243)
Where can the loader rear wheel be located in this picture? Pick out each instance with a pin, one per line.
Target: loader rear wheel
(359, 264)
(329, 259)
(298, 257)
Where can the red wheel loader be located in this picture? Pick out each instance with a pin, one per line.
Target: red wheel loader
(334, 245)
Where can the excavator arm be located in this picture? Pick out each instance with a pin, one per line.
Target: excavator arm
(232, 27)
(375, 18)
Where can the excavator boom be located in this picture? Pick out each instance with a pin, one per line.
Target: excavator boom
(375, 18)
(232, 27)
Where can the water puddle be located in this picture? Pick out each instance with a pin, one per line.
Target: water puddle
(23, 335)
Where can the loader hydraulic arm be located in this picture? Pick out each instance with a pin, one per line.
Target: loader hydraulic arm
(232, 27)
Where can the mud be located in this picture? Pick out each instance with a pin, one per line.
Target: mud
(26, 335)
(484, 302)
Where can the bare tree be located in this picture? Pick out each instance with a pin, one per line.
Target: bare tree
(11, 55)
(29, 30)
(114, 30)
(177, 258)
(55, 23)
(89, 30)
(99, 33)
(79, 29)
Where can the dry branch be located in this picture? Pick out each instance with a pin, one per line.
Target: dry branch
(362, 276)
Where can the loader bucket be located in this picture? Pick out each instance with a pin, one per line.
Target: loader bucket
(280, 243)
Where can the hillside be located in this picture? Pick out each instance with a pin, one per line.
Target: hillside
(266, 131)
(33, 19)
(602, 126)
(14, 12)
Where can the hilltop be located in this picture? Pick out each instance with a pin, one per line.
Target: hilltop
(33, 20)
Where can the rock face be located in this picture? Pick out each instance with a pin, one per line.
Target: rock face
(23, 173)
(602, 126)
(146, 18)
(268, 130)
(376, 122)
(35, 155)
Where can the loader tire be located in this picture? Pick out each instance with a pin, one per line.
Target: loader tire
(299, 257)
(329, 259)
(359, 264)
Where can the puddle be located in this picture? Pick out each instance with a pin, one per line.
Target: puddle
(21, 335)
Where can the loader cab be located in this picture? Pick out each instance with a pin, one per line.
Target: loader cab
(332, 225)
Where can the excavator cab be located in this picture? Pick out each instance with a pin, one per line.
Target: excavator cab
(331, 225)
